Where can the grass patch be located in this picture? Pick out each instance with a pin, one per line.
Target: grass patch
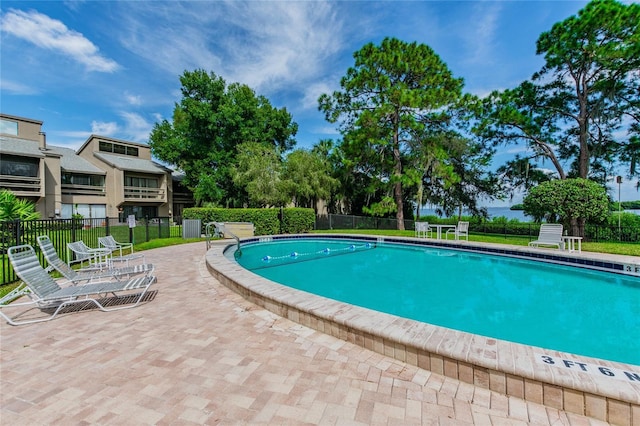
(165, 242)
(629, 249)
(6, 289)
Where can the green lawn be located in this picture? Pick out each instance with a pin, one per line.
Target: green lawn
(630, 249)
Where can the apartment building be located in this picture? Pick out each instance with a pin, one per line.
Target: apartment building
(105, 177)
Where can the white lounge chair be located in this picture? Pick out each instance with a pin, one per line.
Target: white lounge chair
(422, 230)
(113, 245)
(96, 258)
(461, 230)
(46, 294)
(84, 276)
(550, 235)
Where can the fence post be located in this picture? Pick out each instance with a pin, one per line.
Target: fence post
(108, 230)
(73, 228)
(18, 233)
(146, 227)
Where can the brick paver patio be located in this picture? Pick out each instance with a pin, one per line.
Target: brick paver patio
(197, 353)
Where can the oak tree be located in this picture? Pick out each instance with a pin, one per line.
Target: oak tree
(211, 120)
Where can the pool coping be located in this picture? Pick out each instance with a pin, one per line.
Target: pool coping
(510, 368)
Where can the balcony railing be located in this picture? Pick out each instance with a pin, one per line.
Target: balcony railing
(182, 197)
(72, 189)
(21, 185)
(138, 193)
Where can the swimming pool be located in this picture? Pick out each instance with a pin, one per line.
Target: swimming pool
(602, 389)
(569, 309)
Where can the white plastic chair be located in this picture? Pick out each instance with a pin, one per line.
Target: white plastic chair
(550, 235)
(461, 230)
(96, 258)
(110, 243)
(422, 230)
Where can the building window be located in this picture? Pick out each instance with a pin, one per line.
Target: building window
(13, 165)
(140, 182)
(87, 211)
(82, 179)
(118, 148)
(140, 212)
(9, 127)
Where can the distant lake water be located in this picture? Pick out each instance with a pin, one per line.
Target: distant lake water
(504, 212)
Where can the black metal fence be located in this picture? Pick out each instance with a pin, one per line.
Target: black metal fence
(344, 221)
(63, 231)
(593, 233)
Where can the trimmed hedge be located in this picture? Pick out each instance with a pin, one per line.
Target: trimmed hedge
(298, 220)
(266, 221)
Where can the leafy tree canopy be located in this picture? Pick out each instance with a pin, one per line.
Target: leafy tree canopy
(394, 91)
(258, 172)
(574, 109)
(308, 176)
(211, 120)
(570, 201)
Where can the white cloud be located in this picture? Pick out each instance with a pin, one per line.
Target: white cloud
(480, 36)
(327, 130)
(17, 88)
(269, 46)
(54, 35)
(172, 36)
(136, 127)
(287, 43)
(68, 139)
(313, 92)
(135, 100)
(104, 128)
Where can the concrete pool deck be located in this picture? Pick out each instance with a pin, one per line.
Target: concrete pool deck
(597, 388)
(199, 353)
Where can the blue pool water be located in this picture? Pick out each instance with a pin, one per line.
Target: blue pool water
(568, 309)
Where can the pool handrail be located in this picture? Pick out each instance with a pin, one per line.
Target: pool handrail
(219, 229)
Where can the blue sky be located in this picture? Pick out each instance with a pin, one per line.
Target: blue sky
(112, 68)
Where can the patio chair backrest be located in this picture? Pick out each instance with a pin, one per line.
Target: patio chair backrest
(54, 260)
(109, 242)
(80, 249)
(463, 226)
(550, 232)
(27, 266)
(422, 226)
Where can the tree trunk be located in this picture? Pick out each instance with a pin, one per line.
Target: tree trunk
(397, 187)
(577, 227)
(583, 128)
(419, 200)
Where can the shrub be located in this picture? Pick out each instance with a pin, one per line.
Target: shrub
(266, 221)
(297, 220)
